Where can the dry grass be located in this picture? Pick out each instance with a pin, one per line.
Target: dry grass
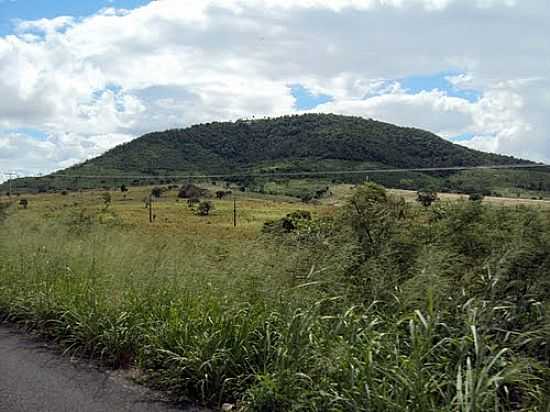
(172, 215)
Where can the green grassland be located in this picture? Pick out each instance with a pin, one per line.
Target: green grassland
(376, 304)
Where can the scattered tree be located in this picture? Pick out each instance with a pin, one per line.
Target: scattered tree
(220, 194)
(156, 192)
(426, 197)
(106, 198)
(287, 224)
(190, 191)
(204, 208)
(476, 197)
(192, 202)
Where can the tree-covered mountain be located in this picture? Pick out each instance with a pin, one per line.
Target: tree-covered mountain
(298, 143)
(219, 147)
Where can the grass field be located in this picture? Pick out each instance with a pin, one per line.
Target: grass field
(375, 304)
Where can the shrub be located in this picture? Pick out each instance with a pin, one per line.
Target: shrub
(204, 208)
(306, 197)
(476, 197)
(426, 197)
(287, 224)
(190, 191)
(156, 192)
(106, 198)
(192, 202)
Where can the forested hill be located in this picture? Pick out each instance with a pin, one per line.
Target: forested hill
(221, 147)
(295, 144)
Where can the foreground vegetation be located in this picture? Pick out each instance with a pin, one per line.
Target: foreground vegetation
(379, 305)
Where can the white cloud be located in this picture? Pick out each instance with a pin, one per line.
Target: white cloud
(94, 82)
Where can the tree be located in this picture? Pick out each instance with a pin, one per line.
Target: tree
(190, 191)
(204, 208)
(24, 203)
(123, 188)
(476, 197)
(373, 216)
(156, 192)
(193, 201)
(106, 198)
(426, 197)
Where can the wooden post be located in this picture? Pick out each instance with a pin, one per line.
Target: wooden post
(234, 212)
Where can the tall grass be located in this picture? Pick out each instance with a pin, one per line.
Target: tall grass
(442, 309)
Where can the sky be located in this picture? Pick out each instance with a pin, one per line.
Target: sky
(79, 77)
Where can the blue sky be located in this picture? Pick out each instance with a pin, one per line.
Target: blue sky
(306, 100)
(12, 10)
(438, 81)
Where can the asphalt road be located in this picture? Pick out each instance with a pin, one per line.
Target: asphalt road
(33, 377)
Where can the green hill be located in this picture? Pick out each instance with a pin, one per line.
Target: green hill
(300, 143)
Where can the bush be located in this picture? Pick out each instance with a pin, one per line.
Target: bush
(156, 192)
(287, 224)
(204, 208)
(192, 202)
(106, 198)
(190, 191)
(426, 198)
(476, 197)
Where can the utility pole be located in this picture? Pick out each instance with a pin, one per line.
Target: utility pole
(150, 208)
(11, 175)
(234, 212)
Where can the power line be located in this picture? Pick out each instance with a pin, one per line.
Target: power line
(297, 174)
(11, 175)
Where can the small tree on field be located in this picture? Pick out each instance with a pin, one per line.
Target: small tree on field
(476, 197)
(193, 201)
(123, 188)
(190, 191)
(24, 203)
(205, 208)
(306, 197)
(426, 197)
(106, 198)
(156, 192)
